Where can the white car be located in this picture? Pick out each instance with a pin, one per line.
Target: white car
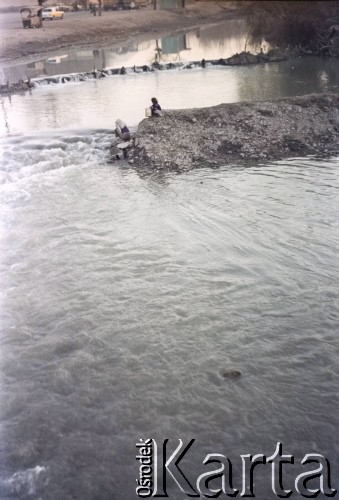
(69, 8)
(64, 8)
(51, 13)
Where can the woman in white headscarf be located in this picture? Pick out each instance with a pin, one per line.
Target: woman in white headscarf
(121, 130)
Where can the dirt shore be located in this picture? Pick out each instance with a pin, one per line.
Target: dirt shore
(82, 29)
(282, 128)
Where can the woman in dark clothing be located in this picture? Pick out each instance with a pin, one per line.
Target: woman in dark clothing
(155, 108)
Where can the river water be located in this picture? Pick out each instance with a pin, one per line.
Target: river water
(127, 297)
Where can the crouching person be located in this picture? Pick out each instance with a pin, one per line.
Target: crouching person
(122, 131)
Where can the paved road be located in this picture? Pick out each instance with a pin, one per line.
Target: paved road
(12, 20)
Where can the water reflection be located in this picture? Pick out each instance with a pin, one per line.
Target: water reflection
(215, 42)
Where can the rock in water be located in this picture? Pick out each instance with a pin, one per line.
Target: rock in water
(231, 374)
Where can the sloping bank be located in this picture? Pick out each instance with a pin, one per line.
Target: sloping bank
(276, 129)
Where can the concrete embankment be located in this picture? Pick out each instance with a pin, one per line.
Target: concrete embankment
(276, 129)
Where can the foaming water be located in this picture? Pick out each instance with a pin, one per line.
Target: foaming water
(126, 296)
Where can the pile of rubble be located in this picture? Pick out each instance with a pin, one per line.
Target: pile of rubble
(290, 127)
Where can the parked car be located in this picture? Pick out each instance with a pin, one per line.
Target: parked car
(69, 8)
(120, 5)
(64, 8)
(52, 13)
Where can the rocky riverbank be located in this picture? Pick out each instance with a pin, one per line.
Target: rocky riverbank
(186, 139)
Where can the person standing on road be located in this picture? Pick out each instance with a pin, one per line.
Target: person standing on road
(40, 17)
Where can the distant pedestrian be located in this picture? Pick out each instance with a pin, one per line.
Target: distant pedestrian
(155, 108)
(40, 17)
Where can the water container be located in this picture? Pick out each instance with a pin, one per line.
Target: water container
(148, 112)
